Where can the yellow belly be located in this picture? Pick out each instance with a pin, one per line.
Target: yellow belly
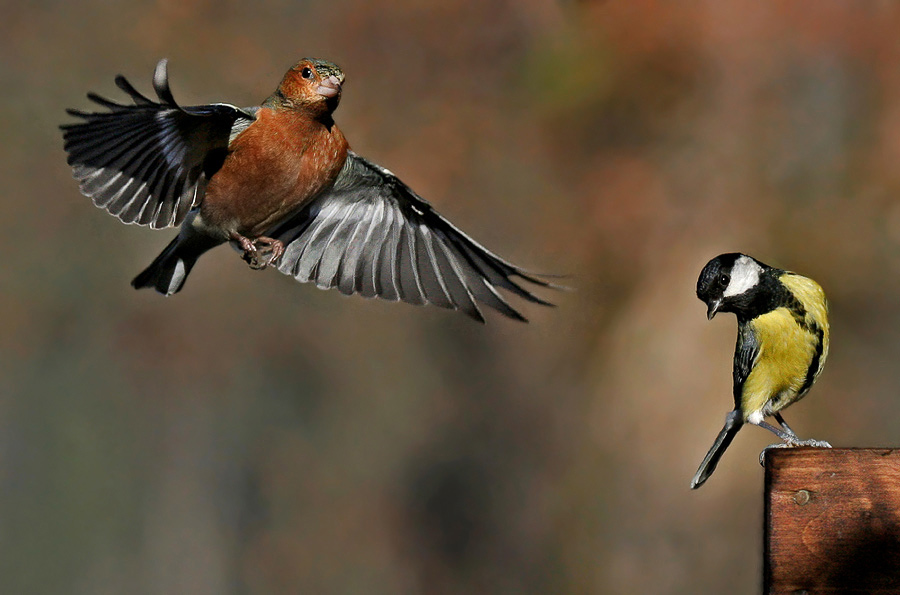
(786, 351)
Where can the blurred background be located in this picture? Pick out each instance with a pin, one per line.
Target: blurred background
(255, 435)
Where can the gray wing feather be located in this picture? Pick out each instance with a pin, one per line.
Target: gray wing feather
(364, 274)
(429, 270)
(453, 275)
(348, 269)
(335, 246)
(410, 288)
(313, 245)
(387, 281)
(370, 234)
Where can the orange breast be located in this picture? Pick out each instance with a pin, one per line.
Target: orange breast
(279, 163)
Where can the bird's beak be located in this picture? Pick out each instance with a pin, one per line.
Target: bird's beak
(712, 307)
(330, 87)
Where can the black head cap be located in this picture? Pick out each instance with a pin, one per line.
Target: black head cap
(715, 286)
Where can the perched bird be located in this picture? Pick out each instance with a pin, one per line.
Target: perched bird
(781, 347)
(279, 182)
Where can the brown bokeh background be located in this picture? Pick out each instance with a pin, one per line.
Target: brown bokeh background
(254, 435)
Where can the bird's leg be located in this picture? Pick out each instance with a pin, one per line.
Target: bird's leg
(787, 434)
(784, 425)
(797, 441)
(247, 247)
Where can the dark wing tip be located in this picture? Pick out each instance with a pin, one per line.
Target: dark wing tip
(138, 97)
(541, 279)
(515, 315)
(476, 315)
(520, 291)
(77, 114)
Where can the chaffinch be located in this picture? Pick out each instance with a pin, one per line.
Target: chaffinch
(279, 182)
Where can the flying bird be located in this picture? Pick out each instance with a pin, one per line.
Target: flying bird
(281, 184)
(782, 344)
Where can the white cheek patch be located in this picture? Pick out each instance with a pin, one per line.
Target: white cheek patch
(744, 275)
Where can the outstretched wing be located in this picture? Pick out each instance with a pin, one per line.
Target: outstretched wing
(372, 235)
(148, 162)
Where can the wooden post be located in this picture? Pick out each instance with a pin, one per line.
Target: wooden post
(832, 521)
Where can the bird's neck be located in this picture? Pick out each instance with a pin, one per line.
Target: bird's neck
(319, 111)
(765, 297)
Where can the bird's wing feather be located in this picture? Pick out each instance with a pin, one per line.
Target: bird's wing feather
(147, 162)
(371, 234)
(745, 355)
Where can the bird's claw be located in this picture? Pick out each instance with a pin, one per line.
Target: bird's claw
(762, 455)
(814, 443)
(261, 252)
(792, 444)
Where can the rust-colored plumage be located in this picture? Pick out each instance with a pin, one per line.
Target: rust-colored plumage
(281, 161)
(280, 182)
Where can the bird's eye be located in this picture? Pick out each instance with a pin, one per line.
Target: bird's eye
(723, 280)
(306, 72)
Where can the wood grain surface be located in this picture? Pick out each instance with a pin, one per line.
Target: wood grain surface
(832, 521)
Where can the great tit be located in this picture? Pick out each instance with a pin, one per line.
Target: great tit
(782, 344)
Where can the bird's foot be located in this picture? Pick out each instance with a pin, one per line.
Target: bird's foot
(813, 443)
(261, 252)
(266, 252)
(791, 444)
(247, 247)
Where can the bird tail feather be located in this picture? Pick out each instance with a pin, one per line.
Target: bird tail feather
(168, 271)
(733, 423)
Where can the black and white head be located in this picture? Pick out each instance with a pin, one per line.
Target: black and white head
(731, 283)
